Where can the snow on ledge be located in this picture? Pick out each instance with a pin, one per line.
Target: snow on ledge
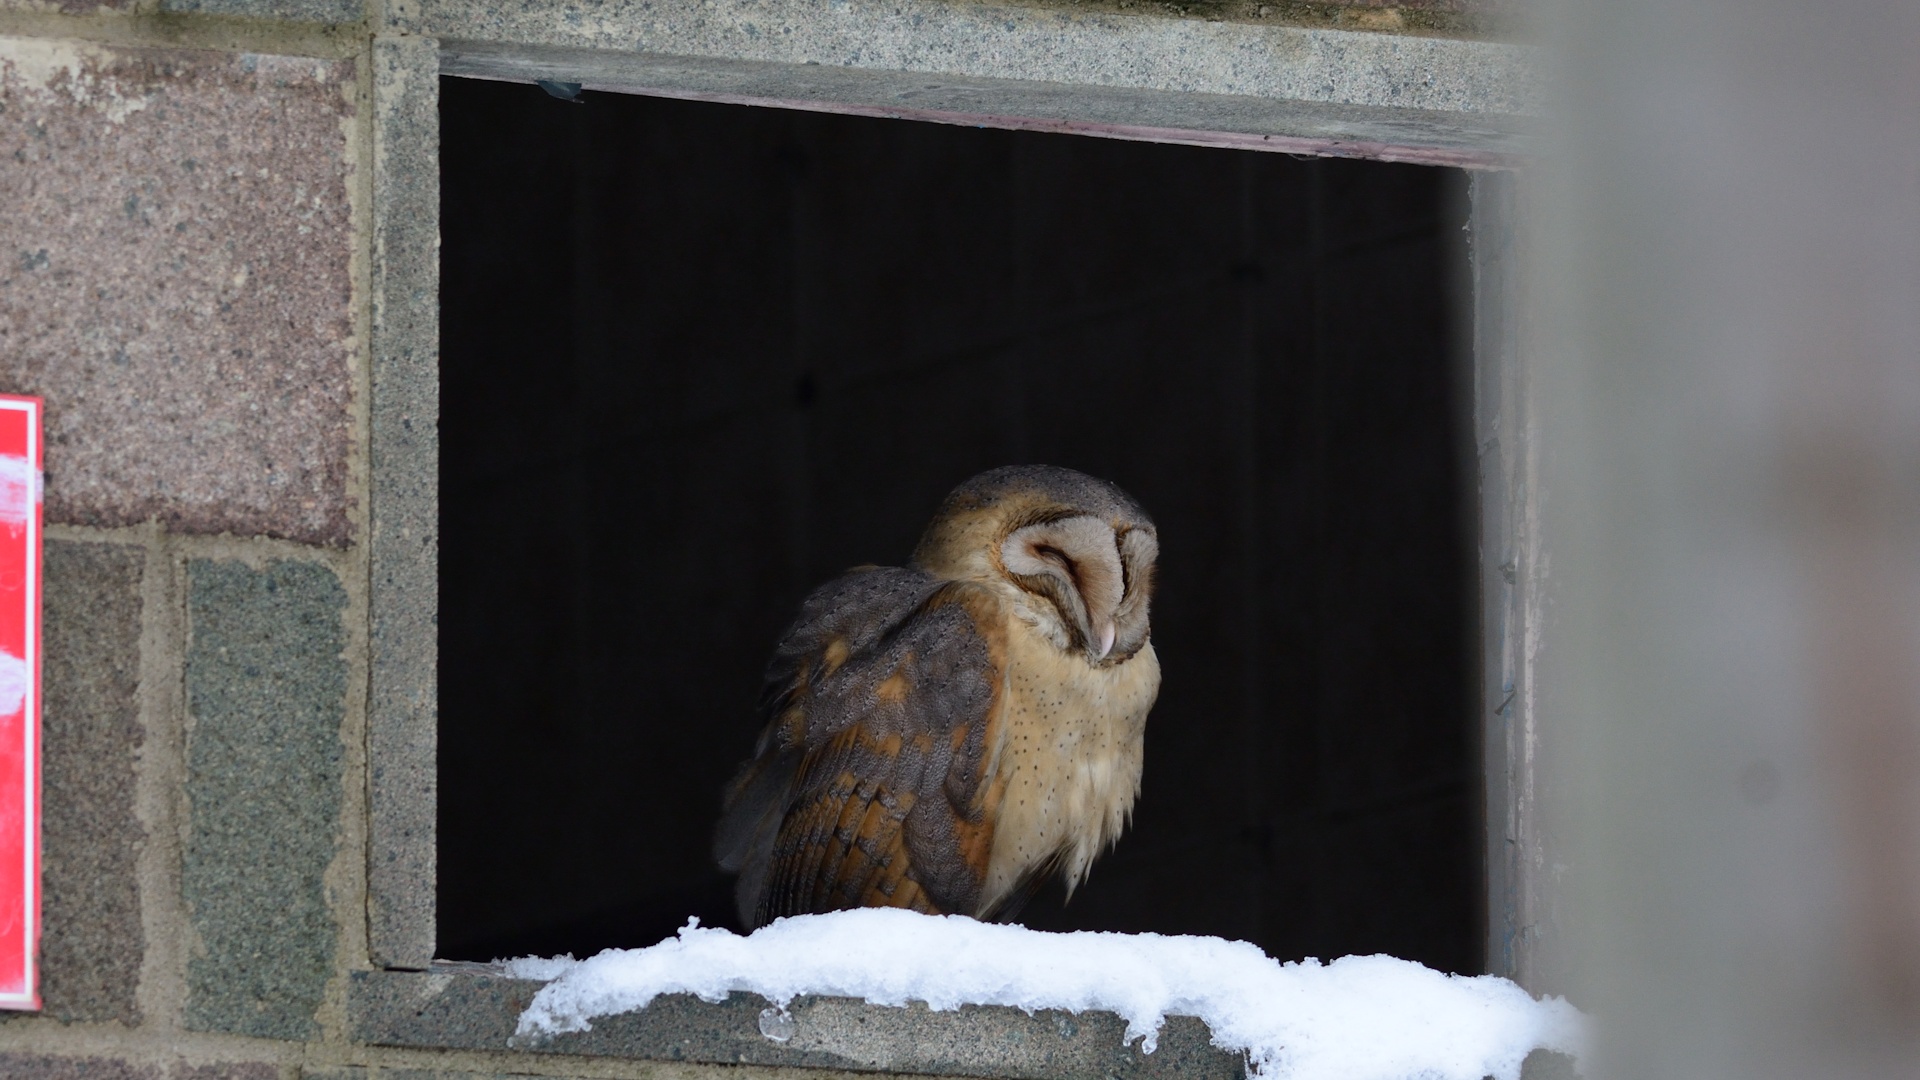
(1358, 1018)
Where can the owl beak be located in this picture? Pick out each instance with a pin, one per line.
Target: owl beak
(1106, 641)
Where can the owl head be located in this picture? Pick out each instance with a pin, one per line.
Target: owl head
(1077, 551)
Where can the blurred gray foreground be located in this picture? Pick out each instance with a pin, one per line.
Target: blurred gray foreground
(1729, 365)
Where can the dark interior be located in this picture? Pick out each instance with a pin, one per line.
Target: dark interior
(700, 358)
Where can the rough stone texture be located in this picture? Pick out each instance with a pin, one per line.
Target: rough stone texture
(469, 1009)
(1459, 17)
(390, 1073)
(44, 1067)
(1097, 49)
(380, 1072)
(374, 1072)
(245, 1070)
(402, 713)
(1428, 5)
(174, 281)
(266, 685)
(66, 7)
(314, 11)
(91, 949)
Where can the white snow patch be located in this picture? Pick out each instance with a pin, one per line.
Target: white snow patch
(20, 489)
(35, 64)
(1357, 1018)
(15, 676)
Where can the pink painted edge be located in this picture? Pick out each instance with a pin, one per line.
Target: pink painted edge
(29, 1000)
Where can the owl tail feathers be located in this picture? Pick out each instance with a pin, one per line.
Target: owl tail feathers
(749, 824)
(1008, 907)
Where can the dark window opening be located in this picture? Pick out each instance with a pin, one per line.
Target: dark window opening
(699, 358)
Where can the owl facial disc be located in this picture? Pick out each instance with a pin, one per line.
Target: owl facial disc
(1074, 563)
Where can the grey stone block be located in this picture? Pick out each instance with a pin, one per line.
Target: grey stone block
(402, 713)
(175, 281)
(266, 695)
(311, 11)
(466, 1009)
(46, 1067)
(91, 948)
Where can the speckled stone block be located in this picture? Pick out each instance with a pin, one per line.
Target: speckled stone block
(45, 1067)
(174, 281)
(91, 944)
(266, 684)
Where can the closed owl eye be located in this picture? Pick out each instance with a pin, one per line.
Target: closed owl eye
(1059, 558)
(1074, 563)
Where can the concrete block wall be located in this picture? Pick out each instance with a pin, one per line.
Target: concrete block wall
(190, 275)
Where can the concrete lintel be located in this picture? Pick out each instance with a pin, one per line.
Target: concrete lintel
(468, 1007)
(1001, 41)
(1323, 128)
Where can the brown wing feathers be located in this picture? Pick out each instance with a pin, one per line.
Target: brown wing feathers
(865, 789)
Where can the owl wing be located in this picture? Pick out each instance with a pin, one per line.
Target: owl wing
(866, 788)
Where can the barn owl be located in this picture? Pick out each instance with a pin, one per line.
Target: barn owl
(945, 736)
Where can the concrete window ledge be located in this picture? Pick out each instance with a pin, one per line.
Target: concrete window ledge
(470, 1007)
(473, 1007)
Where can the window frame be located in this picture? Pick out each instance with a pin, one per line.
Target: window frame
(406, 997)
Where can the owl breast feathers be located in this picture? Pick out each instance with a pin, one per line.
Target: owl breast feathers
(945, 736)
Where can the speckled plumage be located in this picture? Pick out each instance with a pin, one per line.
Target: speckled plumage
(942, 737)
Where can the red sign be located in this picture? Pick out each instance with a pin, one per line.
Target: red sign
(20, 463)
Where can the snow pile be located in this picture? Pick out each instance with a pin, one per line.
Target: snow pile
(1358, 1018)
